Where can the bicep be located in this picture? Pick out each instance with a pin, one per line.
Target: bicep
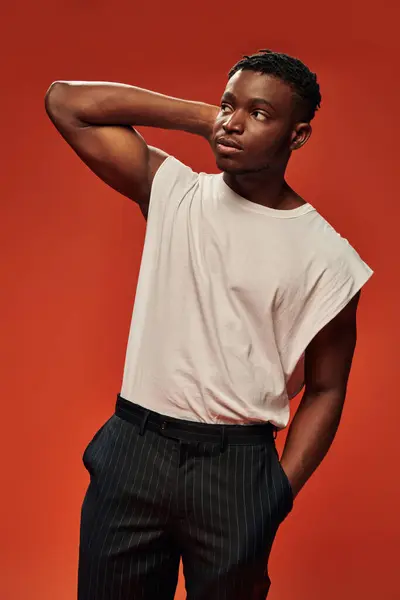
(117, 154)
(329, 356)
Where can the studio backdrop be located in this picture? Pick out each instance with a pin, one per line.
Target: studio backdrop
(70, 256)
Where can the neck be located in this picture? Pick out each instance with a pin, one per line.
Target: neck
(268, 189)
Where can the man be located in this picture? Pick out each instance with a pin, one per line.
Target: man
(240, 278)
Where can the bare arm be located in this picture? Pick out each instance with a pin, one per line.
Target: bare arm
(97, 119)
(328, 362)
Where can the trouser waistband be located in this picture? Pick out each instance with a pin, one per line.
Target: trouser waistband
(190, 431)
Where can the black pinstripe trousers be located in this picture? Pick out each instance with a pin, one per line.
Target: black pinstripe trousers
(162, 489)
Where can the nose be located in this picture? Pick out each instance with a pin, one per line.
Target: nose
(233, 124)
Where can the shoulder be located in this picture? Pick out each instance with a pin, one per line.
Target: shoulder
(339, 262)
(172, 177)
(173, 180)
(175, 176)
(331, 244)
(172, 167)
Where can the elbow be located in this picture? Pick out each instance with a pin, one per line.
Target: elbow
(54, 99)
(58, 100)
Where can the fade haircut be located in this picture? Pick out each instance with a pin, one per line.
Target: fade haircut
(290, 70)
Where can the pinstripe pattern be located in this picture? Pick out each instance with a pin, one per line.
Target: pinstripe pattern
(153, 499)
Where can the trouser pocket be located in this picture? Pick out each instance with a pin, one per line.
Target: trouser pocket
(283, 487)
(91, 447)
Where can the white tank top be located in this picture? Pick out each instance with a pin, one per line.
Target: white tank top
(230, 293)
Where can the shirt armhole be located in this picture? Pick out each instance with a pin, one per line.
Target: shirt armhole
(331, 307)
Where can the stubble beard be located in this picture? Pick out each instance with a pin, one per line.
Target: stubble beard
(243, 171)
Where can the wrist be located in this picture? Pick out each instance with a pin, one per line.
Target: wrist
(207, 116)
(293, 473)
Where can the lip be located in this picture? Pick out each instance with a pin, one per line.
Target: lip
(228, 143)
(227, 150)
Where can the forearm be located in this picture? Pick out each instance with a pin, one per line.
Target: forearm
(310, 435)
(104, 103)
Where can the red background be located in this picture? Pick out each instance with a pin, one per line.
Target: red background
(71, 251)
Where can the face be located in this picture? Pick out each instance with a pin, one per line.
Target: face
(257, 125)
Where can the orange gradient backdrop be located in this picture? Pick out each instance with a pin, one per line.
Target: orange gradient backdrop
(70, 255)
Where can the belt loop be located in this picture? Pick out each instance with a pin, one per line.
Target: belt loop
(223, 438)
(144, 422)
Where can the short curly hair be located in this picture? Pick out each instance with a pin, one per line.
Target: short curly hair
(290, 70)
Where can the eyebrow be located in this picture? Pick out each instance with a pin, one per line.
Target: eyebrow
(232, 97)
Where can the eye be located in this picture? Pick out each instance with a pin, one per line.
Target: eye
(259, 115)
(225, 107)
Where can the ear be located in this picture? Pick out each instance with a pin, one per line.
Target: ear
(300, 135)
